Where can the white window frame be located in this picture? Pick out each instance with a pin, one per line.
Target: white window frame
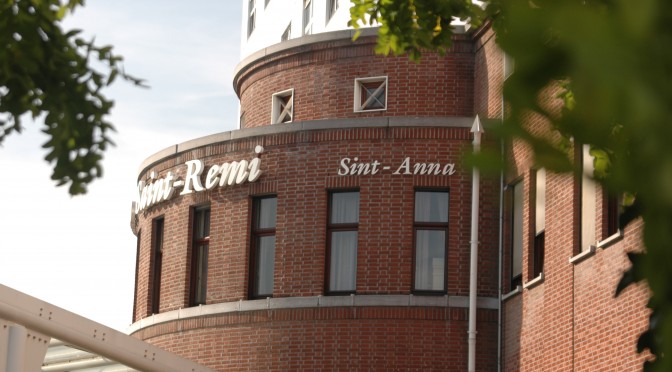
(359, 86)
(332, 7)
(251, 17)
(588, 200)
(278, 112)
(287, 34)
(307, 23)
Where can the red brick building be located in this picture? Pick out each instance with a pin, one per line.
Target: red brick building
(332, 231)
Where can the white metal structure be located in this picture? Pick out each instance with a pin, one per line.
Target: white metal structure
(27, 324)
(477, 130)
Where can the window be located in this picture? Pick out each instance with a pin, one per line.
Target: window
(516, 234)
(156, 262)
(307, 17)
(262, 253)
(251, 17)
(588, 199)
(611, 214)
(371, 94)
(431, 238)
(509, 66)
(332, 7)
(199, 256)
(287, 34)
(282, 107)
(540, 222)
(342, 242)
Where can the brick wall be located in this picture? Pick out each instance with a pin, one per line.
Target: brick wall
(323, 77)
(352, 339)
(300, 168)
(571, 321)
(568, 322)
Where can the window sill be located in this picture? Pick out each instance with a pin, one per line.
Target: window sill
(518, 290)
(359, 110)
(583, 255)
(534, 282)
(606, 243)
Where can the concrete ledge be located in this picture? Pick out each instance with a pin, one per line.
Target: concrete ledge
(534, 282)
(606, 243)
(297, 43)
(346, 123)
(516, 291)
(490, 303)
(300, 42)
(583, 255)
(458, 122)
(203, 141)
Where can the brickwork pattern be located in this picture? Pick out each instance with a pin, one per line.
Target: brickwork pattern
(323, 77)
(326, 339)
(571, 321)
(300, 168)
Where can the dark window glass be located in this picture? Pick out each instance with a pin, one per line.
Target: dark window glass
(431, 236)
(538, 266)
(262, 257)
(156, 262)
(612, 214)
(199, 256)
(342, 242)
(539, 222)
(373, 95)
(516, 234)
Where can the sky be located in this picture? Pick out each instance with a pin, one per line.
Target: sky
(79, 253)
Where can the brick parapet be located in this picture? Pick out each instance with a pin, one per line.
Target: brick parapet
(323, 75)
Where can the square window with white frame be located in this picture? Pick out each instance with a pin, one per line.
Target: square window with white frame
(282, 107)
(371, 94)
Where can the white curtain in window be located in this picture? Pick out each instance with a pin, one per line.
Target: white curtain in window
(343, 264)
(267, 213)
(430, 258)
(588, 200)
(345, 207)
(266, 262)
(431, 206)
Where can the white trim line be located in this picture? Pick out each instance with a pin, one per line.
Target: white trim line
(411, 300)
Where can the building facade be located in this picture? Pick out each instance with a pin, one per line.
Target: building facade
(332, 230)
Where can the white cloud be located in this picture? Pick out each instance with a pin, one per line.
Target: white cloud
(79, 253)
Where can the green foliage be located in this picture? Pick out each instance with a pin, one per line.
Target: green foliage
(409, 26)
(617, 56)
(47, 73)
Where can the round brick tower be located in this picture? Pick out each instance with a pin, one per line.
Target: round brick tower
(331, 232)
